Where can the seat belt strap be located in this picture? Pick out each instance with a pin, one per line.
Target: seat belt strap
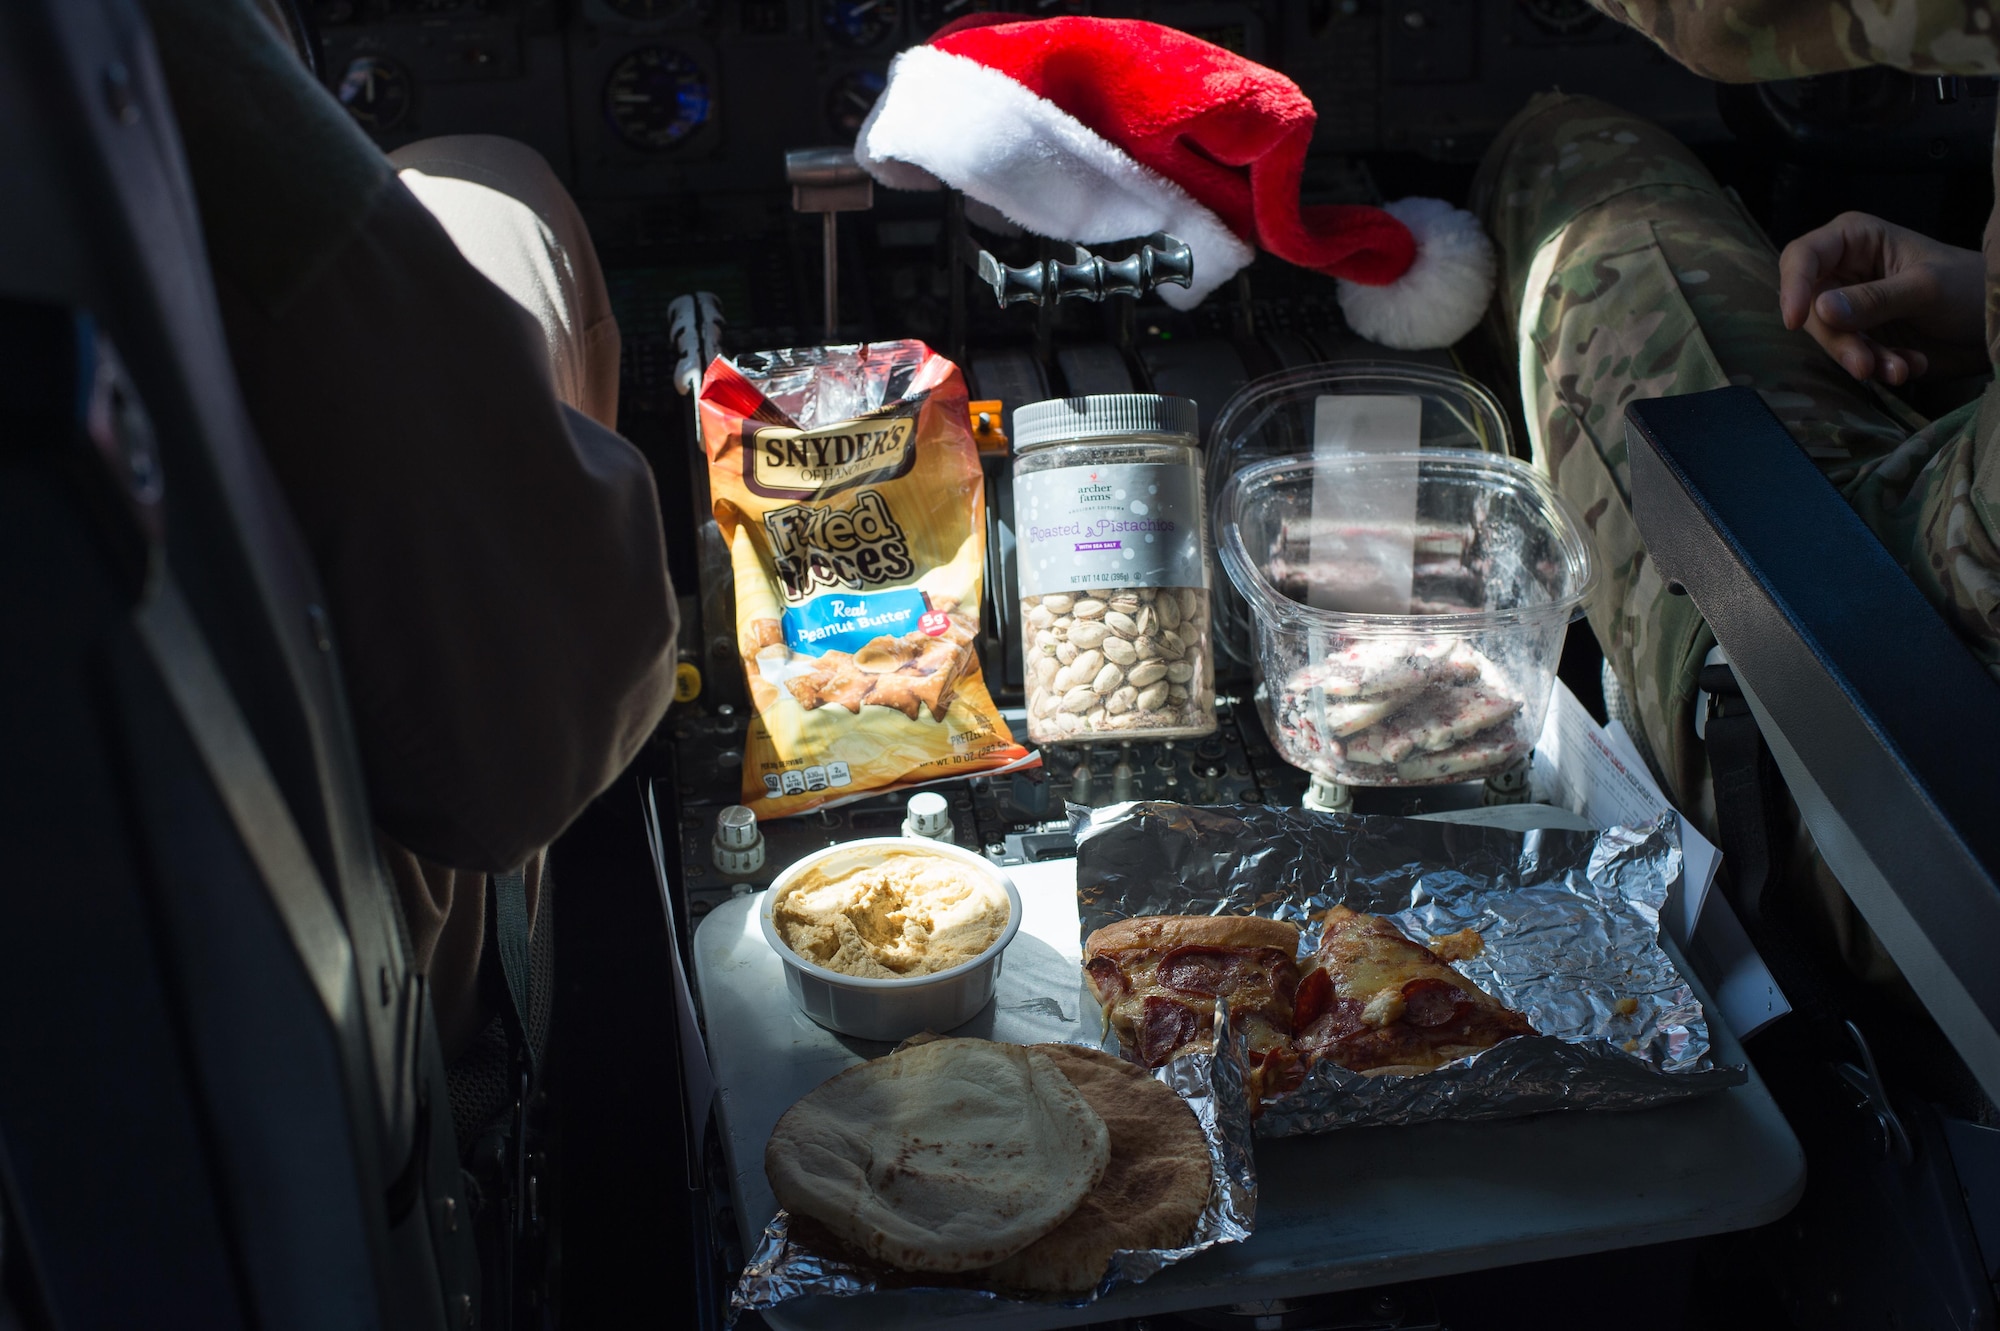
(510, 928)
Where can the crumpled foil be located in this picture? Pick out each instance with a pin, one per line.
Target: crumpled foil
(1212, 1085)
(1571, 923)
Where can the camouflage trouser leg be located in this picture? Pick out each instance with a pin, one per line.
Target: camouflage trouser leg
(1627, 273)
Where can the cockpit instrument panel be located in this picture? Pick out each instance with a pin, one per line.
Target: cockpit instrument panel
(652, 98)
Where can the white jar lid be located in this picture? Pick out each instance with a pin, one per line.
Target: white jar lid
(1102, 416)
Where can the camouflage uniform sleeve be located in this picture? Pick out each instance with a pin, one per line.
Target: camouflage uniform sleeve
(1750, 41)
(1935, 502)
(1957, 561)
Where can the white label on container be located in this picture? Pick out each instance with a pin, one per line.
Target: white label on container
(1128, 524)
(1363, 527)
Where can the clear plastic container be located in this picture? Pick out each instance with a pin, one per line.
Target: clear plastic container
(1280, 415)
(1112, 551)
(1496, 558)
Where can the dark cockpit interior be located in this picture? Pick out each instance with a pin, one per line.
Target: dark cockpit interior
(234, 1092)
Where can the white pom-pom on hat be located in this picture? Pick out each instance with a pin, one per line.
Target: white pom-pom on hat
(1446, 290)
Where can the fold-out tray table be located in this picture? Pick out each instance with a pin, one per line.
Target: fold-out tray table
(1341, 1210)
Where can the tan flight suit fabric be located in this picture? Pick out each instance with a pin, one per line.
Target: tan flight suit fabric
(1629, 274)
(493, 565)
(513, 221)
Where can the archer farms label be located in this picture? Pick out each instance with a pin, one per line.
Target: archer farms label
(1129, 524)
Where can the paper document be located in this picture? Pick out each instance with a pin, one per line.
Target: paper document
(1700, 857)
(1597, 773)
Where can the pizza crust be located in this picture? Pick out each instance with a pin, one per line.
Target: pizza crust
(1153, 1189)
(1166, 932)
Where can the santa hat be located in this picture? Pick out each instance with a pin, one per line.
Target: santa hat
(1094, 130)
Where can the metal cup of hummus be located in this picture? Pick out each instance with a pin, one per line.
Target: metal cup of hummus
(887, 937)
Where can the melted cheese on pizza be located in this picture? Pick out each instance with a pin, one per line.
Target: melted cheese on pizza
(1161, 1002)
(1377, 1001)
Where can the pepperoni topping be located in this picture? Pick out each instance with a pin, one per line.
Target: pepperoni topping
(1284, 978)
(1164, 1026)
(1209, 971)
(1313, 1041)
(1341, 1020)
(1203, 970)
(1106, 978)
(1433, 1003)
(1314, 997)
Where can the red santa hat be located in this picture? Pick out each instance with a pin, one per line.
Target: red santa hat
(1094, 130)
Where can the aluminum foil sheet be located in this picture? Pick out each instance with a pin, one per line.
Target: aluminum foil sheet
(1212, 1085)
(1571, 923)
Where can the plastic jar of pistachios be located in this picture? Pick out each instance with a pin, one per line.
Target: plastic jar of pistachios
(1113, 557)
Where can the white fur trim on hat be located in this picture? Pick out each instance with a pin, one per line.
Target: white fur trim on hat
(1443, 294)
(946, 118)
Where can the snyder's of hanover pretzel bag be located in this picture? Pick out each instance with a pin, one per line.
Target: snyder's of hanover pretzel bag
(847, 484)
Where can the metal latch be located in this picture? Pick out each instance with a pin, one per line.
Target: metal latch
(1160, 261)
(1866, 1079)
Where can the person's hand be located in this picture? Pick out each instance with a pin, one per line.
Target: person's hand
(1886, 302)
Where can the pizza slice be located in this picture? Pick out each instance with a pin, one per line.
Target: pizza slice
(1158, 977)
(1378, 1002)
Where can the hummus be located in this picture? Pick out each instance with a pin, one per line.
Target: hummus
(901, 915)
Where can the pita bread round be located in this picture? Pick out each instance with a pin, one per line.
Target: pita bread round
(1151, 1194)
(945, 1157)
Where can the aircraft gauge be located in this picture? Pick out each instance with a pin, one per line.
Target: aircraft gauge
(656, 97)
(851, 98)
(1561, 16)
(858, 23)
(376, 91)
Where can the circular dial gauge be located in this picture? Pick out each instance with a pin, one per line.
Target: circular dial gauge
(1563, 16)
(376, 92)
(656, 97)
(851, 98)
(858, 22)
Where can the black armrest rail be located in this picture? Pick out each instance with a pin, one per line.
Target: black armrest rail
(1885, 726)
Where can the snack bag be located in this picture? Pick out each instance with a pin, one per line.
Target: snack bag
(847, 484)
